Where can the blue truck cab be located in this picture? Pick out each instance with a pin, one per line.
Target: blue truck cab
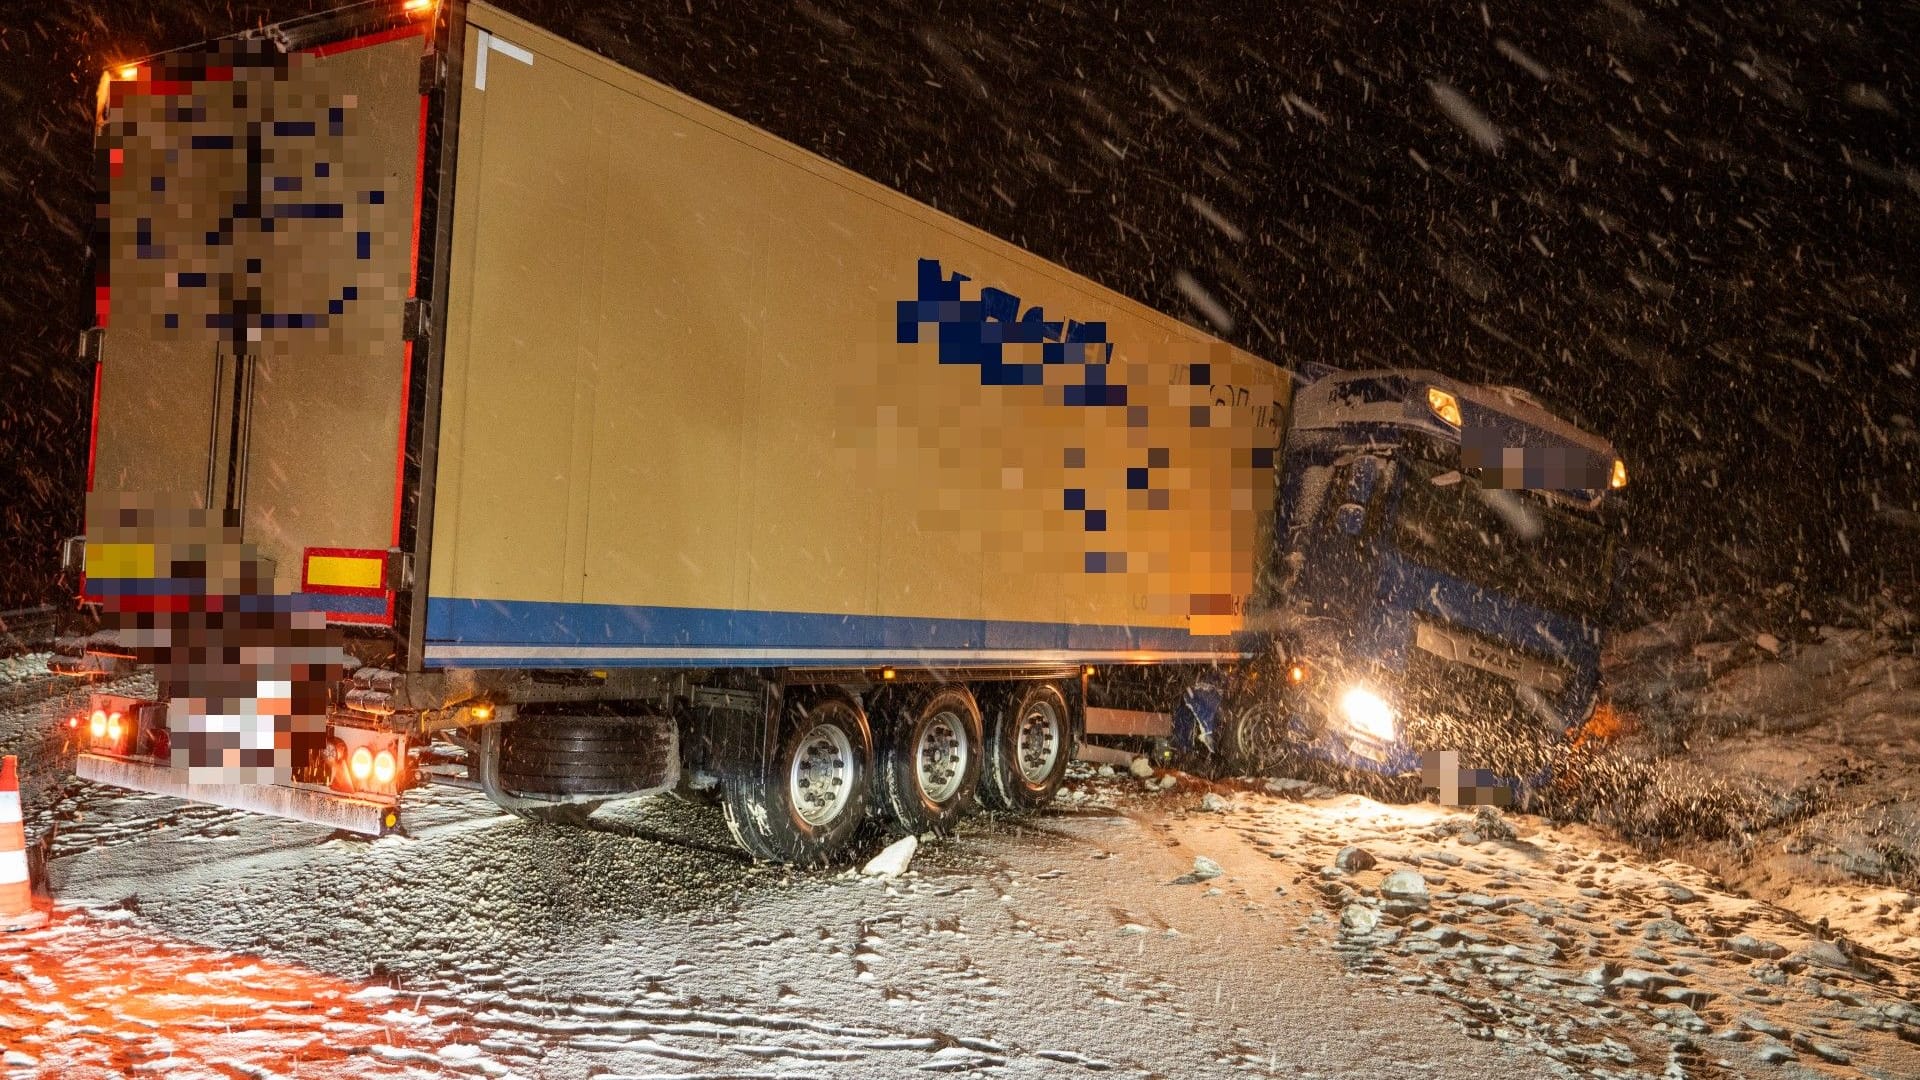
(1446, 562)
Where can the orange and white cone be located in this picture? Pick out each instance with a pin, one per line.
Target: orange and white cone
(17, 911)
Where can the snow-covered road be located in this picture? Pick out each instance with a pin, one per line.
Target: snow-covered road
(192, 941)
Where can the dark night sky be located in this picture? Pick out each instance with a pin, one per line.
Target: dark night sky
(1693, 227)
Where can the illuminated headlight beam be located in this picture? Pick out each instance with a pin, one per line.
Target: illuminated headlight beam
(1368, 714)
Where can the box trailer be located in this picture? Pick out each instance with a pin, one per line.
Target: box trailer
(454, 379)
(471, 409)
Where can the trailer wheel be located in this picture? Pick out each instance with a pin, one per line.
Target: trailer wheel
(815, 795)
(1029, 740)
(930, 761)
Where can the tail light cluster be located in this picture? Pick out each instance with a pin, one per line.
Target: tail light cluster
(367, 761)
(122, 726)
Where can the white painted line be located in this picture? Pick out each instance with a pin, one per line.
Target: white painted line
(492, 43)
(524, 55)
(480, 64)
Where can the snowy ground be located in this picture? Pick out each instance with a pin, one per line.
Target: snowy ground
(1794, 750)
(191, 941)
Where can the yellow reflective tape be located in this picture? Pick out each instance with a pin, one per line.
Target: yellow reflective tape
(344, 571)
(119, 560)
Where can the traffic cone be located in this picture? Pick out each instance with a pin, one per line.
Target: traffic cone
(17, 911)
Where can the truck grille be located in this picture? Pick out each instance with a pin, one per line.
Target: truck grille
(1448, 705)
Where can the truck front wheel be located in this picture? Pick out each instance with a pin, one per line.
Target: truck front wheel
(1029, 739)
(930, 761)
(815, 795)
(1253, 737)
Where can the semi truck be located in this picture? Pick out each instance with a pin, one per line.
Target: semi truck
(471, 409)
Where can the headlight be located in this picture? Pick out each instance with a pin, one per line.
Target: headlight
(97, 724)
(1444, 405)
(383, 767)
(360, 764)
(1368, 714)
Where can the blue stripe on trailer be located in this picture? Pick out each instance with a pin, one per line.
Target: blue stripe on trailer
(523, 633)
(346, 605)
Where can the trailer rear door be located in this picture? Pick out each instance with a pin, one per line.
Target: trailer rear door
(257, 250)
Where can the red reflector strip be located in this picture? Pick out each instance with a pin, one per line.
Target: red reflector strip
(378, 37)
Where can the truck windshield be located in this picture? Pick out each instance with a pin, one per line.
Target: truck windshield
(1515, 543)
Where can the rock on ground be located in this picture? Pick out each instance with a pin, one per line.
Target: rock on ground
(893, 859)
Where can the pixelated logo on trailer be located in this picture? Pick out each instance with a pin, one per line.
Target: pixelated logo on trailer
(982, 332)
(243, 205)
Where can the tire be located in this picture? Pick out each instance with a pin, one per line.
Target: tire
(930, 757)
(1017, 778)
(815, 796)
(1253, 737)
(573, 756)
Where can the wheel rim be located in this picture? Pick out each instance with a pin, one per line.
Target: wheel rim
(821, 779)
(1036, 743)
(1257, 731)
(940, 759)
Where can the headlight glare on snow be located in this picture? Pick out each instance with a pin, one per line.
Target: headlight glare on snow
(1367, 713)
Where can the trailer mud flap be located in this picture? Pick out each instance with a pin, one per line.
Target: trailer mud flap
(364, 816)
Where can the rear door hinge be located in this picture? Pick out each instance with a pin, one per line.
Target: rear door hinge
(415, 319)
(399, 569)
(432, 72)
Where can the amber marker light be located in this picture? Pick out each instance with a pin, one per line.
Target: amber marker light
(1619, 473)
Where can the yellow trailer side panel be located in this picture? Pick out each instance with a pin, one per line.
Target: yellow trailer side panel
(701, 385)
